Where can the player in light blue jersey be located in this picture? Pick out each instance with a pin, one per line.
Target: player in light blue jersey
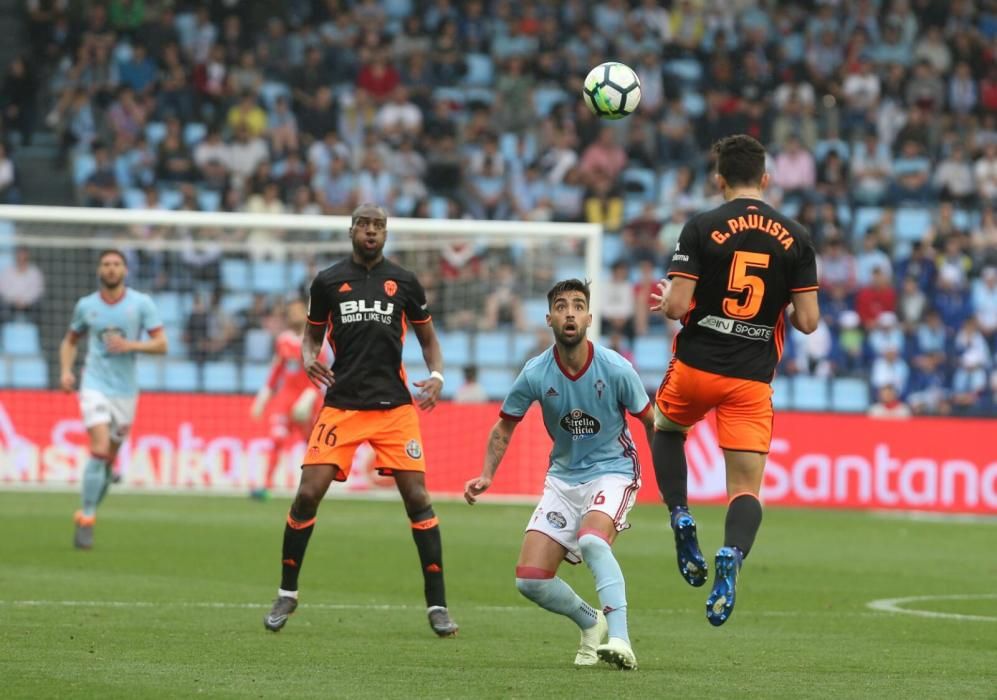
(585, 392)
(113, 318)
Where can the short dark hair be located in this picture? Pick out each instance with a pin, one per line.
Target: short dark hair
(570, 285)
(112, 251)
(740, 160)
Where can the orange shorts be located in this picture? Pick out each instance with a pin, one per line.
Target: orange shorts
(393, 434)
(744, 406)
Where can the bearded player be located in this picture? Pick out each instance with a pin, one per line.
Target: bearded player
(366, 303)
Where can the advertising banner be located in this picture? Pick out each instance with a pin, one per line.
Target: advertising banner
(205, 442)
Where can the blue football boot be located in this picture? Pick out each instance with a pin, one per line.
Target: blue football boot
(692, 563)
(720, 604)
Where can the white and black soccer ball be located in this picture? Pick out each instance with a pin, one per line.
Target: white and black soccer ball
(611, 90)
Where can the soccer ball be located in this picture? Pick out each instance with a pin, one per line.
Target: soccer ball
(611, 90)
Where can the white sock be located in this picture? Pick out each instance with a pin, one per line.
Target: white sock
(287, 594)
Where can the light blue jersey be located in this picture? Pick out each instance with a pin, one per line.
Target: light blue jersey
(585, 415)
(134, 312)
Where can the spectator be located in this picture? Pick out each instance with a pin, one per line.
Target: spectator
(9, 193)
(870, 169)
(604, 158)
(248, 115)
(101, 187)
(266, 243)
(889, 369)
(139, 72)
(837, 267)
(920, 266)
(848, 352)
(210, 331)
(174, 162)
(471, 390)
(985, 301)
(22, 286)
(282, 129)
(889, 405)
(378, 78)
(503, 306)
(17, 100)
(887, 333)
(399, 117)
(604, 205)
(618, 302)
(875, 298)
(950, 299)
(969, 382)
(985, 171)
(912, 305)
(245, 154)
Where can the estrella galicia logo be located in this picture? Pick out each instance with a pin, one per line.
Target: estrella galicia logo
(581, 425)
(556, 520)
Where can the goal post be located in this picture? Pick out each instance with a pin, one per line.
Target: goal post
(220, 281)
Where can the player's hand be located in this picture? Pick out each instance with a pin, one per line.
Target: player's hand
(475, 487)
(429, 393)
(116, 345)
(661, 298)
(319, 374)
(67, 382)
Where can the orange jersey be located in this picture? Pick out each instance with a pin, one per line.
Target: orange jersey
(288, 373)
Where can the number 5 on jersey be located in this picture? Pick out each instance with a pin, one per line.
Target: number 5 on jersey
(746, 306)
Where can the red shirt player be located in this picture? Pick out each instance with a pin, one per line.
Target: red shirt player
(288, 397)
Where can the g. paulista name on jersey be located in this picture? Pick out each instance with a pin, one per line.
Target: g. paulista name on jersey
(363, 310)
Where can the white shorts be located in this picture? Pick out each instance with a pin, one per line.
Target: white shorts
(562, 507)
(116, 411)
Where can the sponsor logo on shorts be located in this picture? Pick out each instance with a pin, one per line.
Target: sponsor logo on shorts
(556, 520)
(413, 449)
(390, 287)
(729, 326)
(581, 425)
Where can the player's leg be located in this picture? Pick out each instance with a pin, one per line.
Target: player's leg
(92, 484)
(429, 543)
(609, 500)
(397, 443)
(551, 537)
(681, 402)
(327, 459)
(122, 410)
(745, 431)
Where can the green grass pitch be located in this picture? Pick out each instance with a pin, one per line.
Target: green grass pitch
(170, 604)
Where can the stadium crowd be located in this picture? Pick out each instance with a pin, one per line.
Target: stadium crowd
(880, 116)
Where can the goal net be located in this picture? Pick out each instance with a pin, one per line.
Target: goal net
(220, 283)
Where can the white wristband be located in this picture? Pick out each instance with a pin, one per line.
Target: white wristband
(437, 375)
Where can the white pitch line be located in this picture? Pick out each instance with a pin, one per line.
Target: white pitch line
(895, 606)
(212, 605)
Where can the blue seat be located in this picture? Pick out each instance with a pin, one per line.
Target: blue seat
(258, 346)
(176, 347)
(8, 233)
(491, 348)
(171, 307)
(496, 381)
(651, 353)
(236, 302)
(848, 394)
(545, 99)
(612, 248)
(28, 373)
(404, 205)
(456, 347)
(270, 91)
(181, 375)
(155, 132)
(194, 133)
(170, 198)
(439, 208)
(21, 338)
(480, 95)
(4, 374)
(254, 375)
(235, 274)
(694, 104)
(650, 380)
(810, 393)
(269, 276)
(568, 268)
(149, 371)
(84, 165)
(522, 343)
(397, 9)
(297, 273)
(209, 200)
(781, 394)
(412, 353)
(221, 377)
(489, 186)
(640, 182)
(912, 223)
(688, 70)
(864, 218)
(134, 198)
(535, 311)
(480, 69)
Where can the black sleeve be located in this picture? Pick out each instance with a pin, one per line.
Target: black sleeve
(685, 260)
(803, 275)
(318, 303)
(416, 308)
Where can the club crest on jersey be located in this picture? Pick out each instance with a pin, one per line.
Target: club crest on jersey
(556, 520)
(413, 449)
(581, 425)
(363, 310)
(600, 386)
(390, 287)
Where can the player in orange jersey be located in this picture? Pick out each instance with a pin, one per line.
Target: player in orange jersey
(288, 396)
(734, 272)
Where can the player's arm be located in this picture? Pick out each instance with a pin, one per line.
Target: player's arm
(67, 358)
(805, 313)
(311, 349)
(674, 297)
(429, 389)
(498, 443)
(266, 391)
(155, 345)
